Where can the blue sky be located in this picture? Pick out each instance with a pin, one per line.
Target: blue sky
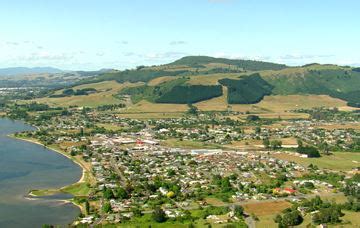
(94, 34)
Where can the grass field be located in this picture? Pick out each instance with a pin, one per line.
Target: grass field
(148, 110)
(291, 102)
(187, 144)
(266, 208)
(153, 115)
(145, 106)
(211, 79)
(105, 95)
(355, 126)
(341, 161)
(274, 106)
(266, 212)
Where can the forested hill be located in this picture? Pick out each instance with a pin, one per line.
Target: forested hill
(198, 78)
(250, 65)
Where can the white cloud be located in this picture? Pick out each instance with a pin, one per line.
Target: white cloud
(45, 55)
(219, 1)
(164, 55)
(302, 56)
(12, 43)
(177, 42)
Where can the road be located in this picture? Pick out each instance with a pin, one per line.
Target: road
(250, 222)
(116, 168)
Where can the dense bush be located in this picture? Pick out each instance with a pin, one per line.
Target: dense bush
(151, 93)
(248, 90)
(310, 151)
(187, 94)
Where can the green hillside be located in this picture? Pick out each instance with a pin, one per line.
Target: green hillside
(336, 82)
(199, 78)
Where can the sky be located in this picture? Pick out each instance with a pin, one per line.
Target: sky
(96, 34)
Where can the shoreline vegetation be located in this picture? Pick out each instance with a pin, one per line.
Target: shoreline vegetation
(77, 189)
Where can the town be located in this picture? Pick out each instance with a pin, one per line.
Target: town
(204, 168)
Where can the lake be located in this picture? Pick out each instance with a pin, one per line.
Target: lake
(25, 166)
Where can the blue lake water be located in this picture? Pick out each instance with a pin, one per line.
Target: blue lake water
(25, 166)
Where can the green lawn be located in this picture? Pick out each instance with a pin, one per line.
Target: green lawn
(78, 189)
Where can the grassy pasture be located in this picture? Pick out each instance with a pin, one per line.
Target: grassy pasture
(266, 208)
(291, 102)
(212, 79)
(341, 161)
(355, 126)
(157, 81)
(146, 106)
(214, 104)
(105, 95)
(152, 115)
(273, 106)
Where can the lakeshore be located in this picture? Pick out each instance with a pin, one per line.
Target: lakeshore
(25, 166)
(34, 193)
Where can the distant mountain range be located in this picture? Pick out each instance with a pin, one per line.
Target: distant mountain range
(25, 70)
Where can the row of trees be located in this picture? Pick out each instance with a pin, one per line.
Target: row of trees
(323, 212)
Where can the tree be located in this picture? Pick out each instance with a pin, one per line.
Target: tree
(300, 143)
(106, 207)
(266, 143)
(193, 110)
(278, 219)
(292, 218)
(108, 193)
(309, 185)
(47, 226)
(328, 215)
(238, 210)
(87, 207)
(310, 151)
(137, 212)
(225, 184)
(276, 144)
(257, 130)
(252, 118)
(171, 172)
(120, 193)
(159, 215)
